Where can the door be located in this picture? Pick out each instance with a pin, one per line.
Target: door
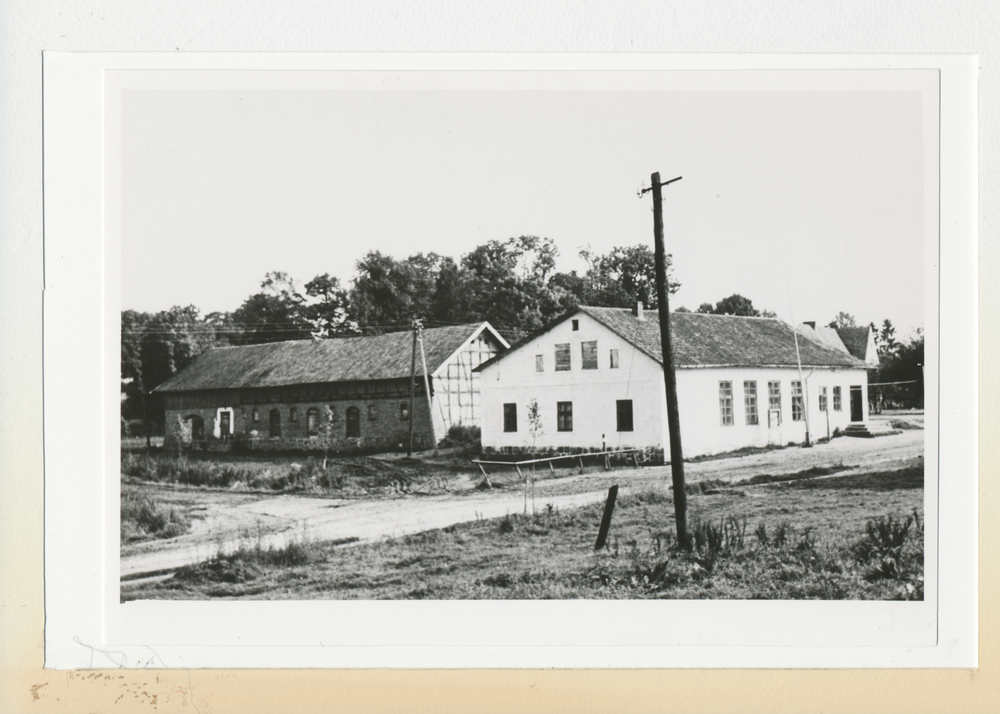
(857, 406)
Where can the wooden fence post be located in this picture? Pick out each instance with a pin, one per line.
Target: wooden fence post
(609, 507)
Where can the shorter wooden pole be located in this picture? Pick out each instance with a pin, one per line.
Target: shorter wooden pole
(609, 507)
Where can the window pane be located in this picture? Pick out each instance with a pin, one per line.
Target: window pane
(750, 401)
(774, 399)
(353, 419)
(624, 408)
(588, 351)
(510, 417)
(726, 403)
(796, 401)
(562, 357)
(564, 416)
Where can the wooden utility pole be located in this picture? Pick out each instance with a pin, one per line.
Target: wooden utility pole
(413, 380)
(669, 377)
(427, 383)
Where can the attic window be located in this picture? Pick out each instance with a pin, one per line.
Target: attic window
(614, 359)
(576, 325)
(562, 358)
(539, 363)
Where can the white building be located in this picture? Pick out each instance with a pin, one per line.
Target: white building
(597, 379)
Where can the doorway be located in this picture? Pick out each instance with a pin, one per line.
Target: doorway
(857, 404)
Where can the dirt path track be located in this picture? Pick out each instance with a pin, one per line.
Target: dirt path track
(279, 518)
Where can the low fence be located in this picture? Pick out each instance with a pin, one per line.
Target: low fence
(605, 457)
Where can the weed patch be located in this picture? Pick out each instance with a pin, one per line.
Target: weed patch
(143, 518)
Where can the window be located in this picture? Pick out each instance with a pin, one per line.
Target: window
(510, 417)
(312, 422)
(353, 416)
(275, 424)
(614, 359)
(822, 399)
(750, 401)
(836, 399)
(564, 416)
(624, 408)
(404, 412)
(588, 351)
(774, 399)
(293, 414)
(726, 403)
(576, 325)
(796, 401)
(332, 415)
(539, 363)
(562, 357)
(255, 415)
(371, 412)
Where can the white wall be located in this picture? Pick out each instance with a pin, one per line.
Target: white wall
(593, 393)
(457, 396)
(702, 431)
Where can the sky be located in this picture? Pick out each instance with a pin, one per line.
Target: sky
(807, 202)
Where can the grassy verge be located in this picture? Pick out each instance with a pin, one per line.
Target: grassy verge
(345, 476)
(841, 537)
(144, 518)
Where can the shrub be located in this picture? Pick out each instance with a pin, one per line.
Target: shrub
(142, 517)
(882, 546)
(461, 436)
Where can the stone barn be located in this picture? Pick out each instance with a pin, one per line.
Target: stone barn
(349, 393)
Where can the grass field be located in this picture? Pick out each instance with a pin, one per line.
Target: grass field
(825, 537)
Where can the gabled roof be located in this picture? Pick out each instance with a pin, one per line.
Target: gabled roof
(855, 339)
(701, 340)
(341, 359)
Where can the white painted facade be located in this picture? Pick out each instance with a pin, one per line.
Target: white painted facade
(457, 399)
(594, 393)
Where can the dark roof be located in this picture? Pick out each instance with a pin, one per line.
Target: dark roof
(701, 340)
(340, 359)
(855, 339)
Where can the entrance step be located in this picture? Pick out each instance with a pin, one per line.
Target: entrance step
(869, 431)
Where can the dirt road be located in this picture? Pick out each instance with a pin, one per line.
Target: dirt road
(273, 520)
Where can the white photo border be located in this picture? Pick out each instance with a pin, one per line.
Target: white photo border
(82, 604)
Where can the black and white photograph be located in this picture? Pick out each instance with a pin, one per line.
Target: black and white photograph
(483, 336)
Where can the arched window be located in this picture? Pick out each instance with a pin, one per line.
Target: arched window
(353, 422)
(275, 423)
(312, 422)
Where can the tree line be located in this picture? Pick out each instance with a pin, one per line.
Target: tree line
(512, 284)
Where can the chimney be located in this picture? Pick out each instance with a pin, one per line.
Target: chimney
(637, 310)
(811, 324)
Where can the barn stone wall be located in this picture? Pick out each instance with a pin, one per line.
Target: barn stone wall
(382, 426)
